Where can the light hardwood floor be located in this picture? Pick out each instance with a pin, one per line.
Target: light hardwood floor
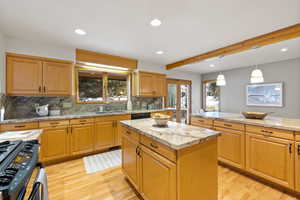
(69, 181)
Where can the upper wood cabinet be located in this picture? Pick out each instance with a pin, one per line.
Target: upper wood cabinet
(148, 84)
(270, 158)
(35, 76)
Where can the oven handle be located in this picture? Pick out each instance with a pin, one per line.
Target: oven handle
(36, 186)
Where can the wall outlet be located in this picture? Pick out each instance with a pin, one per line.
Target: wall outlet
(67, 105)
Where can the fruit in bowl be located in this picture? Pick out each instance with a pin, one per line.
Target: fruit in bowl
(160, 119)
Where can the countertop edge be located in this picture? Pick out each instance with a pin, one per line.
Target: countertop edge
(174, 147)
(289, 128)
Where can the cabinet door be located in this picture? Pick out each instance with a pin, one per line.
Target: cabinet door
(231, 147)
(82, 138)
(130, 160)
(57, 78)
(147, 84)
(270, 158)
(156, 171)
(54, 143)
(104, 134)
(160, 85)
(297, 166)
(24, 76)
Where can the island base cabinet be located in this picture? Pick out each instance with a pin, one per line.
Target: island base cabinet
(157, 176)
(130, 160)
(54, 143)
(270, 158)
(231, 147)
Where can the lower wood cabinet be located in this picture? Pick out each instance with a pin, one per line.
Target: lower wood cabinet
(271, 158)
(130, 160)
(55, 143)
(82, 138)
(297, 166)
(231, 147)
(104, 134)
(156, 170)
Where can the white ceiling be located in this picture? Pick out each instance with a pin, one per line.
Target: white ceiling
(121, 27)
(262, 55)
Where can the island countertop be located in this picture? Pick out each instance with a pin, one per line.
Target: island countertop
(175, 136)
(272, 122)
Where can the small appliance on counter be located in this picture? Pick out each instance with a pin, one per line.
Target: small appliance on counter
(42, 110)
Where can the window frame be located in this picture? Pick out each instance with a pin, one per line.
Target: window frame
(104, 86)
(204, 94)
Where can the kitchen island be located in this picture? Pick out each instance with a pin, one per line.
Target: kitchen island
(178, 162)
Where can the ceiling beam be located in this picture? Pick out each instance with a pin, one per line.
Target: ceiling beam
(262, 40)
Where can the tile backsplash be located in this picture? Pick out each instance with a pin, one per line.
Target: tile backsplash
(24, 107)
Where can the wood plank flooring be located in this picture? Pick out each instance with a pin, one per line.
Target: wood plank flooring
(69, 181)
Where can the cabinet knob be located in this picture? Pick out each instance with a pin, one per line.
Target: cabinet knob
(153, 145)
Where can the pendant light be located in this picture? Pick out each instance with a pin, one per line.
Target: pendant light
(221, 80)
(256, 76)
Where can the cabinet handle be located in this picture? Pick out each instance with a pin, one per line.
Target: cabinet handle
(44, 88)
(228, 125)
(128, 132)
(68, 130)
(201, 121)
(137, 150)
(54, 123)
(40, 88)
(298, 149)
(20, 126)
(153, 145)
(290, 148)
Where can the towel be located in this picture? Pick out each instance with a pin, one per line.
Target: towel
(42, 179)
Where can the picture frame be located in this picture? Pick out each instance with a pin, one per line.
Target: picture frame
(265, 95)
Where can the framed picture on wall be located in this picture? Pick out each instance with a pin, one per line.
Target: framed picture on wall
(266, 94)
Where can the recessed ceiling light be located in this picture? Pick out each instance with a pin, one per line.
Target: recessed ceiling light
(80, 32)
(284, 49)
(155, 22)
(211, 65)
(159, 52)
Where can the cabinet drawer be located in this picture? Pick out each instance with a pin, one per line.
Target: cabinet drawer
(19, 126)
(297, 136)
(201, 120)
(130, 133)
(224, 124)
(159, 148)
(202, 125)
(112, 118)
(81, 121)
(54, 123)
(285, 134)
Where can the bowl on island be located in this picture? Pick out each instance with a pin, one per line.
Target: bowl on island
(254, 115)
(160, 119)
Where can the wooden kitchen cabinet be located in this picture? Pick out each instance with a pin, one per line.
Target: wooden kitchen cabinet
(57, 79)
(156, 170)
(231, 147)
(82, 138)
(23, 76)
(202, 122)
(130, 159)
(55, 143)
(36, 76)
(148, 84)
(104, 134)
(270, 158)
(297, 166)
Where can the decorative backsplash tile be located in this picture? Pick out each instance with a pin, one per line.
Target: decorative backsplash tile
(24, 107)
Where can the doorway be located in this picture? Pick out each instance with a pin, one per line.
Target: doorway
(179, 99)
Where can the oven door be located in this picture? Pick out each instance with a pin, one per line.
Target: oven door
(32, 190)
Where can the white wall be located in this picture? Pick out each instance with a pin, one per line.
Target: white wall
(195, 78)
(2, 63)
(14, 45)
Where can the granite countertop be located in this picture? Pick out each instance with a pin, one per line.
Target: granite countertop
(272, 122)
(176, 135)
(21, 135)
(75, 116)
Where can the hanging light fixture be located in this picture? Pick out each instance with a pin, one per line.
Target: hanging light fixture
(221, 80)
(257, 76)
